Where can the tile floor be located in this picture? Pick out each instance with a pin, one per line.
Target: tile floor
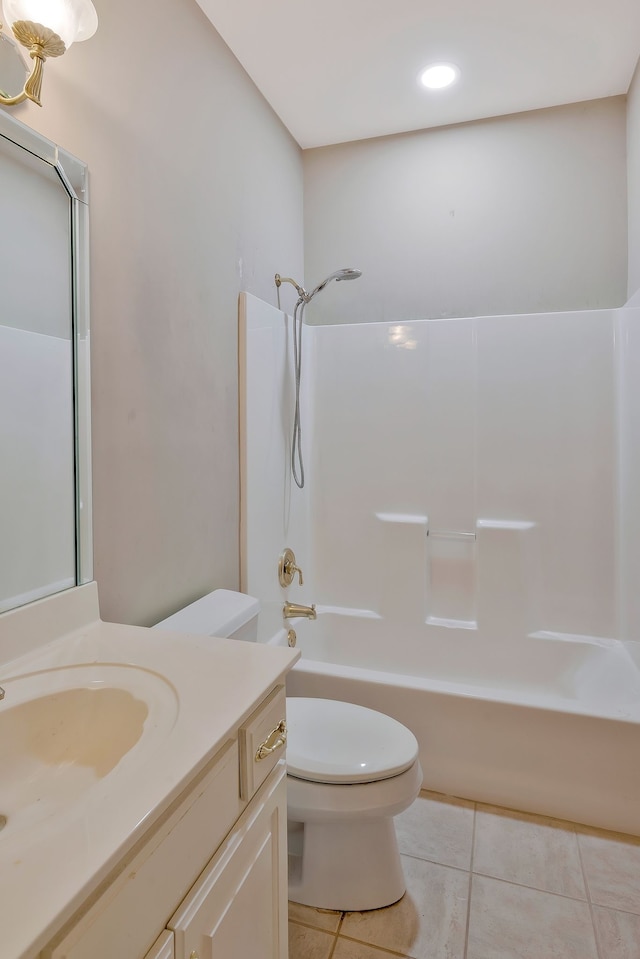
(488, 883)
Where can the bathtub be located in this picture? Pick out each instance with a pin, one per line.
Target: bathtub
(547, 723)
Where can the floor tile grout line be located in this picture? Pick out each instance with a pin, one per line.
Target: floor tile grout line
(333, 947)
(307, 925)
(375, 947)
(624, 912)
(523, 885)
(473, 844)
(587, 890)
(435, 862)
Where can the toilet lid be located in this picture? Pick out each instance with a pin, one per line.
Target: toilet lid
(334, 742)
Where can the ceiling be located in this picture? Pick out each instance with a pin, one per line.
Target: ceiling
(344, 70)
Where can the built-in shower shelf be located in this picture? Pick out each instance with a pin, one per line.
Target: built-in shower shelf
(458, 534)
(451, 623)
(605, 642)
(413, 519)
(508, 524)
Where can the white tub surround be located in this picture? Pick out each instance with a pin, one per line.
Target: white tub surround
(500, 431)
(455, 471)
(193, 694)
(472, 547)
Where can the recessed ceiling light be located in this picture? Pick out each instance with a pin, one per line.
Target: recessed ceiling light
(439, 75)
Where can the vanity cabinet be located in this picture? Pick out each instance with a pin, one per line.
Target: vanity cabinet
(210, 878)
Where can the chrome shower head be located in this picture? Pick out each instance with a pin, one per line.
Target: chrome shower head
(347, 274)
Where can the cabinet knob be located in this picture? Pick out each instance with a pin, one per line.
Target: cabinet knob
(194, 955)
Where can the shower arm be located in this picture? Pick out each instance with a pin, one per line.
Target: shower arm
(287, 279)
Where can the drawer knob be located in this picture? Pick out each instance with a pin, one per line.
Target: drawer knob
(276, 739)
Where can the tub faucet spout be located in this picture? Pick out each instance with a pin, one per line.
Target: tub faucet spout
(293, 610)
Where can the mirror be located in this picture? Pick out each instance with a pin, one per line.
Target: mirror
(13, 69)
(45, 517)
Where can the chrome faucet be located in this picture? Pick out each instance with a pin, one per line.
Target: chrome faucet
(294, 610)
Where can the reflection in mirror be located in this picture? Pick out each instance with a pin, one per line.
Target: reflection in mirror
(13, 69)
(44, 456)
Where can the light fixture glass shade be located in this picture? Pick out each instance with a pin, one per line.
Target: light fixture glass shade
(72, 20)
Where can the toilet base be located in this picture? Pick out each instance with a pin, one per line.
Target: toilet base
(347, 866)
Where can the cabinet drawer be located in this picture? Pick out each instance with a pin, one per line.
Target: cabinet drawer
(262, 742)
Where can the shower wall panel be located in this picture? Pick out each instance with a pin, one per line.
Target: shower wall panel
(463, 472)
(546, 455)
(628, 359)
(273, 510)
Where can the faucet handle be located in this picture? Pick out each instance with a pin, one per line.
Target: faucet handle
(287, 569)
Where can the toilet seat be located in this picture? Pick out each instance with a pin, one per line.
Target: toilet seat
(333, 742)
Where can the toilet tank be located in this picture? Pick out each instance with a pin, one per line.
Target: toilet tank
(220, 613)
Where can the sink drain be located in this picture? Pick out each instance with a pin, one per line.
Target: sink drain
(3, 822)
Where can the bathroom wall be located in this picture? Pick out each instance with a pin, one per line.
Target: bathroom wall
(633, 178)
(464, 473)
(525, 213)
(196, 193)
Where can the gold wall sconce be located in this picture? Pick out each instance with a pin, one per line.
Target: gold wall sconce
(47, 28)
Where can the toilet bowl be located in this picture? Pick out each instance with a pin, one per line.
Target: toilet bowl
(350, 771)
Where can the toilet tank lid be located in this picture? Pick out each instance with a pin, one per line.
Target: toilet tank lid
(219, 613)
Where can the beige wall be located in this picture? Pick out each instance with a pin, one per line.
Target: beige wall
(196, 193)
(525, 213)
(633, 185)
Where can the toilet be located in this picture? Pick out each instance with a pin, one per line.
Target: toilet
(350, 771)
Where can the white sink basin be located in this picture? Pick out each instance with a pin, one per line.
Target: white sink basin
(64, 732)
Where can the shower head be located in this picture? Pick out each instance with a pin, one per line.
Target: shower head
(347, 274)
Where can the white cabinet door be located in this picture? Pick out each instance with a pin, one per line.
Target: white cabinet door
(238, 907)
(162, 947)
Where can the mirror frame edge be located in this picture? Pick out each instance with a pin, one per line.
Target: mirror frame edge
(73, 174)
